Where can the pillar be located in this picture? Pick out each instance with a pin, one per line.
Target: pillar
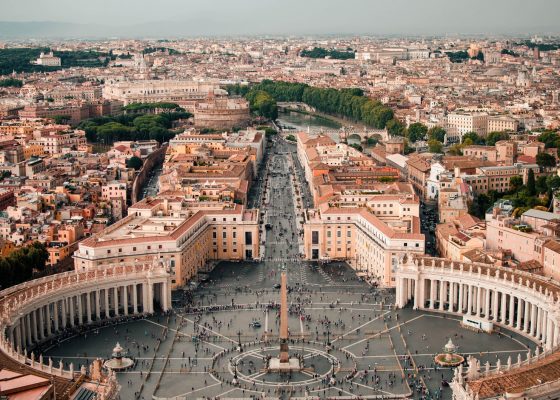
(461, 298)
(135, 298)
(125, 299)
(107, 306)
(116, 300)
(549, 334)
(145, 295)
(520, 307)
(532, 325)
(72, 311)
(504, 309)
(539, 322)
(88, 307)
(441, 294)
(165, 302)
(495, 302)
(487, 303)
(511, 309)
(64, 312)
(49, 322)
(526, 316)
(478, 300)
(55, 317)
(469, 299)
(80, 309)
(97, 305)
(34, 329)
(29, 338)
(432, 293)
(41, 326)
(451, 297)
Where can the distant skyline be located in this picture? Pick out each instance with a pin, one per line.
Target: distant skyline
(143, 18)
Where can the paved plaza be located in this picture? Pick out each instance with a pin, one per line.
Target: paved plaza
(216, 340)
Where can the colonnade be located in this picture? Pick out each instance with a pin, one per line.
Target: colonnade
(38, 310)
(76, 309)
(516, 300)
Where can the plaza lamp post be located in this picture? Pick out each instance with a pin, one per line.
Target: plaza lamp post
(239, 340)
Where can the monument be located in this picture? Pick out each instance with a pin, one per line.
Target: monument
(284, 363)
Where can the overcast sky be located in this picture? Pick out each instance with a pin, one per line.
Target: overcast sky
(298, 16)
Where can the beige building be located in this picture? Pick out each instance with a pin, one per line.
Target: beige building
(185, 238)
(371, 244)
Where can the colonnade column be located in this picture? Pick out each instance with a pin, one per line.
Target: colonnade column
(88, 307)
(80, 309)
(469, 299)
(511, 310)
(125, 299)
(72, 311)
(478, 300)
(441, 294)
(107, 306)
(116, 300)
(487, 303)
(532, 326)
(432, 293)
(520, 306)
(504, 309)
(64, 310)
(135, 298)
(460, 297)
(28, 336)
(97, 305)
(451, 297)
(539, 322)
(49, 325)
(527, 317)
(55, 315)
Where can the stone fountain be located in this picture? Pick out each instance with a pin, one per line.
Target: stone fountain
(118, 362)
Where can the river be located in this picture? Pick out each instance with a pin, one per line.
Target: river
(303, 122)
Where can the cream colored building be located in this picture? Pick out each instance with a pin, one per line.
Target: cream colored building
(371, 245)
(185, 238)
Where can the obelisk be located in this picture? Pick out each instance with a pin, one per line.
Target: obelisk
(284, 356)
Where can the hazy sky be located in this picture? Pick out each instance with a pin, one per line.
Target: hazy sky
(300, 16)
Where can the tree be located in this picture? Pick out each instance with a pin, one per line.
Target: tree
(371, 141)
(515, 182)
(435, 146)
(417, 131)
(541, 186)
(531, 184)
(437, 133)
(134, 162)
(546, 160)
(549, 138)
(494, 137)
(291, 138)
(11, 82)
(476, 139)
(61, 119)
(395, 127)
(357, 146)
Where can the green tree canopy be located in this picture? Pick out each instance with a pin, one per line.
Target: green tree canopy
(546, 160)
(437, 133)
(515, 182)
(435, 146)
(531, 184)
(396, 127)
(476, 139)
(134, 162)
(417, 131)
(494, 137)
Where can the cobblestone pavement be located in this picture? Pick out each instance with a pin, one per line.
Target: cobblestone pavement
(222, 332)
